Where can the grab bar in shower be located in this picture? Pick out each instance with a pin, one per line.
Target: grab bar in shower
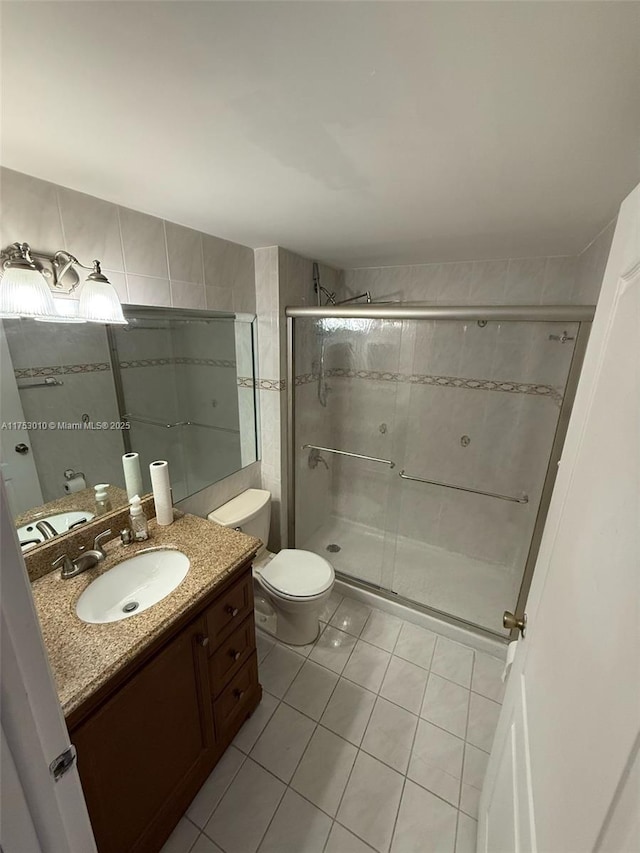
(524, 499)
(150, 421)
(346, 453)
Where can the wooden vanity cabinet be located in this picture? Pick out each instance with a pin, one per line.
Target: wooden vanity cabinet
(146, 748)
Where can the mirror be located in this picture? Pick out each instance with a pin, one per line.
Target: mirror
(173, 384)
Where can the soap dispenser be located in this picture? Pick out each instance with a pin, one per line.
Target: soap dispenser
(103, 504)
(138, 520)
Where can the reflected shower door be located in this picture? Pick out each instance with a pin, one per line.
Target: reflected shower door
(346, 373)
(479, 410)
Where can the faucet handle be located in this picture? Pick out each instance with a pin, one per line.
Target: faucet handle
(67, 565)
(100, 538)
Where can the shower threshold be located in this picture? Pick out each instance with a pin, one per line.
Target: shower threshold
(450, 585)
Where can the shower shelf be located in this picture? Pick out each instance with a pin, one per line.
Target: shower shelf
(151, 422)
(523, 499)
(347, 453)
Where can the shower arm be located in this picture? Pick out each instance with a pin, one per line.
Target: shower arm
(366, 295)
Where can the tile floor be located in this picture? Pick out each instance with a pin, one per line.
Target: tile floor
(375, 737)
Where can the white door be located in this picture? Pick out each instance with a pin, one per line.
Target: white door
(563, 774)
(18, 469)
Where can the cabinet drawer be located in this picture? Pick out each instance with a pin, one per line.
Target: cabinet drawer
(230, 609)
(231, 655)
(237, 698)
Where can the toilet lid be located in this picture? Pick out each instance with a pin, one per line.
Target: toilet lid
(298, 573)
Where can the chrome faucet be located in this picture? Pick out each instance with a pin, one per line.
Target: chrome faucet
(86, 560)
(47, 529)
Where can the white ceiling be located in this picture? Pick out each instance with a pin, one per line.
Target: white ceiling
(356, 133)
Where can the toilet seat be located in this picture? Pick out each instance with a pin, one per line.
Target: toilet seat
(295, 574)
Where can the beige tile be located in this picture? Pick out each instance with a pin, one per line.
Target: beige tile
(382, 630)
(487, 677)
(370, 801)
(350, 616)
(182, 838)
(343, 841)
(144, 290)
(333, 649)
(91, 229)
(483, 718)
(144, 245)
(367, 666)
(389, 735)
(184, 294)
(253, 727)
(297, 826)
(184, 249)
(284, 739)
(30, 212)
(469, 800)
(416, 645)
(467, 834)
(446, 704)
(424, 816)
(324, 770)
(475, 766)
(278, 669)
(348, 711)
(244, 813)
(311, 689)
(453, 661)
(404, 684)
(215, 786)
(436, 761)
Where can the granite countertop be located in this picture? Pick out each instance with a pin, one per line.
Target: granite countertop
(83, 501)
(84, 656)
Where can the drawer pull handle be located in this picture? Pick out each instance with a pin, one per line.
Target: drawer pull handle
(234, 654)
(238, 694)
(203, 641)
(233, 611)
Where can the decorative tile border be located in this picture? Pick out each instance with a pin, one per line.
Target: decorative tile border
(262, 384)
(161, 362)
(530, 388)
(94, 367)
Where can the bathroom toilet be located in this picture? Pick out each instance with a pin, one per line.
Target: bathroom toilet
(290, 587)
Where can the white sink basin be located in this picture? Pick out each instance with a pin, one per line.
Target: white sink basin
(133, 585)
(61, 522)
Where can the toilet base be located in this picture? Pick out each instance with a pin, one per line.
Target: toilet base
(294, 623)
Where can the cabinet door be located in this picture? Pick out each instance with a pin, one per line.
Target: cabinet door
(143, 755)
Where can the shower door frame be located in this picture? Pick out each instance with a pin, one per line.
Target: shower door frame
(580, 314)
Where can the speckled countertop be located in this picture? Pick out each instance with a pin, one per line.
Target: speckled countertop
(83, 657)
(83, 501)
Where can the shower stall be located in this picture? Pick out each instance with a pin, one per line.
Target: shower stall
(424, 443)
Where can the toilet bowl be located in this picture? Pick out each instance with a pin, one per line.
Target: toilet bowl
(290, 587)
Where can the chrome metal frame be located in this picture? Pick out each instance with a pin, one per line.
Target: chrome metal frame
(582, 314)
(140, 419)
(347, 453)
(415, 311)
(522, 500)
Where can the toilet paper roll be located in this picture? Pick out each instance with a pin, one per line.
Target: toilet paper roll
(161, 488)
(511, 653)
(132, 474)
(75, 484)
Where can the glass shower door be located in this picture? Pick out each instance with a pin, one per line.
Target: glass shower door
(346, 388)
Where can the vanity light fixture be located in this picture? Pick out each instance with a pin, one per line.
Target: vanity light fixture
(43, 286)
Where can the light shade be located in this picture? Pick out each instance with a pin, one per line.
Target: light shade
(67, 310)
(24, 292)
(99, 301)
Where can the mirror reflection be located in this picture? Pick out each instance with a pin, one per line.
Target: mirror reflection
(172, 384)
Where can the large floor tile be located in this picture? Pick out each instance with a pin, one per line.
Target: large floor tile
(343, 841)
(311, 689)
(253, 727)
(278, 669)
(453, 661)
(367, 666)
(389, 735)
(467, 834)
(424, 823)
(350, 616)
(264, 644)
(404, 683)
(182, 838)
(245, 811)
(333, 649)
(330, 606)
(213, 789)
(469, 800)
(436, 761)
(382, 630)
(324, 770)
(487, 677)
(348, 711)
(475, 765)
(415, 644)
(281, 744)
(297, 827)
(446, 704)
(483, 718)
(205, 845)
(370, 803)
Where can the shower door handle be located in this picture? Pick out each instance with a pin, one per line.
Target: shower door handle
(511, 622)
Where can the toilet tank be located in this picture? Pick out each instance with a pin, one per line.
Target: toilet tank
(250, 511)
